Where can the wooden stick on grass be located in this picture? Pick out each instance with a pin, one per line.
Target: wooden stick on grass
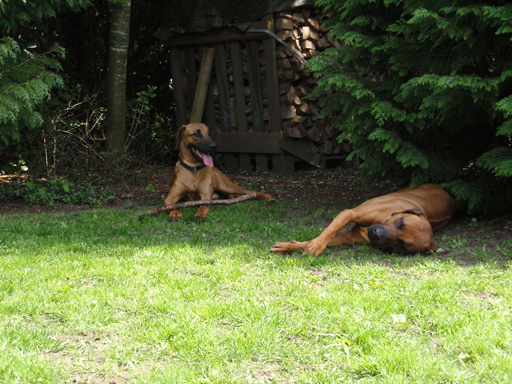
(196, 203)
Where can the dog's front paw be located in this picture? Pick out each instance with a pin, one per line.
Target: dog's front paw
(200, 218)
(315, 247)
(175, 215)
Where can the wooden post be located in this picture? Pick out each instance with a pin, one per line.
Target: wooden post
(209, 105)
(258, 124)
(238, 83)
(274, 102)
(190, 61)
(222, 82)
(202, 85)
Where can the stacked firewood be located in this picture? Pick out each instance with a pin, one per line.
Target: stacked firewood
(303, 31)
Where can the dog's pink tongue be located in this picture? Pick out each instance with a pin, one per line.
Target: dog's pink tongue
(207, 160)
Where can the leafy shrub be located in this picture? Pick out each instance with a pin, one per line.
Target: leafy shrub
(149, 131)
(423, 90)
(26, 81)
(28, 66)
(54, 191)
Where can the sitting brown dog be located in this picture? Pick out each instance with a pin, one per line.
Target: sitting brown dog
(195, 177)
(401, 221)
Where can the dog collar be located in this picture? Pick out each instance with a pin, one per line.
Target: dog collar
(191, 169)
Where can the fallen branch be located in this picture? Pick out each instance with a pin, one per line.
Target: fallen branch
(196, 203)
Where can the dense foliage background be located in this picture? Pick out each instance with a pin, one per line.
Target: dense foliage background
(423, 89)
(53, 67)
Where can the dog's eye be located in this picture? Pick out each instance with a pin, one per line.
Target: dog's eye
(197, 134)
(399, 223)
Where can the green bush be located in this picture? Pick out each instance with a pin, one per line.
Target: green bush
(25, 82)
(423, 90)
(54, 191)
(29, 66)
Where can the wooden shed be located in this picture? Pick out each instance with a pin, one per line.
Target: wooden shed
(245, 78)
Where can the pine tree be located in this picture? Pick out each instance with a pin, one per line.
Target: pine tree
(28, 68)
(423, 90)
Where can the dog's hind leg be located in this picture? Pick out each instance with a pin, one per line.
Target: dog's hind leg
(225, 186)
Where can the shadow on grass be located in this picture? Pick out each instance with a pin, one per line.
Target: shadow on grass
(251, 227)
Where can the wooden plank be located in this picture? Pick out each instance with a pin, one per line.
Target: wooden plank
(177, 85)
(209, 105)
(202, 85)
(258, 124)
(259, 143)
(222, 37)
(190, 61)
(238, 82)
(274, 101)
(221, 75)
(289, 162)
(299, 149)
(222, 82)
(209, 109)
(278, 163)
(253, 61)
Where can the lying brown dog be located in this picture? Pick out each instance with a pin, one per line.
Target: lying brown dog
(401, 221)
(195, 177)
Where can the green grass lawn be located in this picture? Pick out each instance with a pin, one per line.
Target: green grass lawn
(104, 296)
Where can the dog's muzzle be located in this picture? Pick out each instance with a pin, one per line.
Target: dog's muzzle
(378, 235)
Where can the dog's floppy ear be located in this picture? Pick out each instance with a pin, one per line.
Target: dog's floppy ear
(178, 136)
(414, 211)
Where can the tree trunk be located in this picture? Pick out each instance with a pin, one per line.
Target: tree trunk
(116, 82)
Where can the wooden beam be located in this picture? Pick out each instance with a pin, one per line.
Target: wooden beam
(202, 85)
(238, 82)
(274, 101)
(209, 105)
(258, 123)
(221, 75)
(253, 62)
(299, 149)
(260, 143)
(222, 82)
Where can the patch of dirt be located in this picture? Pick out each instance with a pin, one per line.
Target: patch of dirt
(319, 187)
(90, 347)
(469, 241)
(150, 185)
